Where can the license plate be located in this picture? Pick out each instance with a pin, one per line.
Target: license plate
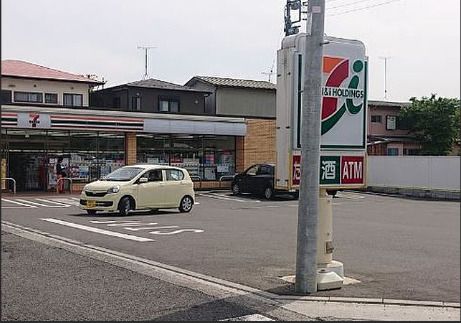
(90, 203)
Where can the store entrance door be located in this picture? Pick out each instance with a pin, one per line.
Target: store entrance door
(29, 170)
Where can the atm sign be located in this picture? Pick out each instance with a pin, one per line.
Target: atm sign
(352, 170)
(334, 170)
(339, 170)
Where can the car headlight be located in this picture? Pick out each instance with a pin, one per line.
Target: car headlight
(114, 189)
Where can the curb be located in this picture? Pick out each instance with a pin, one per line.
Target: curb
(358, 300)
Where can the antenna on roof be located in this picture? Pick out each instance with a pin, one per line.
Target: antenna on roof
(271, 71)
(146, 49)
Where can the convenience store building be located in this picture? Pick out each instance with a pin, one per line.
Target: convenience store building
(48, 114)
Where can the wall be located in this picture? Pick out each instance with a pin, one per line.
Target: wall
(258, 146)
(416, 172)
(44, 86)
(245, 102)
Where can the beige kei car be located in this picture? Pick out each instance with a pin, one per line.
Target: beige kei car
(139, 187)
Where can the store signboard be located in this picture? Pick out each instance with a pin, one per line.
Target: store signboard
(335, 170)
(343, 112)
(34, 120)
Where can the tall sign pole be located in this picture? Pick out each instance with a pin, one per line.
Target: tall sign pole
(308, 209)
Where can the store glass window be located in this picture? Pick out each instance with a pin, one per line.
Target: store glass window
(219, 156)
(208, 157)
(111, 154)
(153, 149)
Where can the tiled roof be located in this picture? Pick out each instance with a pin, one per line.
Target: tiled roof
(157, 84)
(388, 103)
(18, 68)
(220, 81)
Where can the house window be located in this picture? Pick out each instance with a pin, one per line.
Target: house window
(51, 98)
(376, 119)
(168, 105)
(72, 100)
(391, 122)
(6, 96)
(392, 151)
(28, 97)
(136, 103)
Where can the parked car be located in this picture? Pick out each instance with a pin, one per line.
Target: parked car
(136, 187)
(259, 179)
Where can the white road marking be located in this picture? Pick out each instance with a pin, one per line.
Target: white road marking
(177, 231)
(54, 202)
(223, 197)
(252, 317)
(152, 228)
(35, 203)
(71, 201)
(114, 221)
(15, 202)
(96, 230)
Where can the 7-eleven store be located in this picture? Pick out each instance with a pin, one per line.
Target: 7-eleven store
(93, 143)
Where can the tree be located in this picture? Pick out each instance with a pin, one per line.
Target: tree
(435, 122)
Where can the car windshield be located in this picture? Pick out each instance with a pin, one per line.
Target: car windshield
(123, 174)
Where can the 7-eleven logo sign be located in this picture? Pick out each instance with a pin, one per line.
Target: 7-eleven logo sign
(343, 91)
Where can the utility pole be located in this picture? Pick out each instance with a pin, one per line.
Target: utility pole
(385, 58)
(308, 209)
(146, 49)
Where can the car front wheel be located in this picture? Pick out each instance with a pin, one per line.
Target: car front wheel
(186, 204)
(236, 189)
(268, 193)
(124, 207)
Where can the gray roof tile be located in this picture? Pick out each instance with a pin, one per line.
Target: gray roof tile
(220, 81)
(157, 84)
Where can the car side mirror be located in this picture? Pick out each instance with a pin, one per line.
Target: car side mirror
(143, 180)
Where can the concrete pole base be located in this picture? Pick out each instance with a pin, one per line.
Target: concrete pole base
(330, 275)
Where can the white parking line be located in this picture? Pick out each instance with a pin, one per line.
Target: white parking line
(252, 317)
(224, 197)
(91, 229)
(71, 201)
(35, 203)
(60, 204)
(19, 203)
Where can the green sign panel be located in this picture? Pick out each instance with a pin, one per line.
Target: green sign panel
(330, 170)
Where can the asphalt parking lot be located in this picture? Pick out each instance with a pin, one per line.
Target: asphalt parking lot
(392, 247)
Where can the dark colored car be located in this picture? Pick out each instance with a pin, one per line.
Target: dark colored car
(257, 179)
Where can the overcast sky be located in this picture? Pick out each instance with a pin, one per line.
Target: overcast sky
(232, 38)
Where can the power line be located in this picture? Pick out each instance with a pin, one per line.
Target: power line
(358, 9)
(348, 4)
